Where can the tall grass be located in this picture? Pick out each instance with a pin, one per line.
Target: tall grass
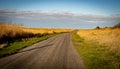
(46, 30)
(109, 37)
(10, 32)
(94, 55)
(100, 48)
(14, 37)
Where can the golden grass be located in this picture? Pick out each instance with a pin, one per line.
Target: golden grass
(5, 29)
(109, 37)
(46, 30)
(10, 32)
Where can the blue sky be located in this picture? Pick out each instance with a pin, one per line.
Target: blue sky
(105, 7)
(101, 9)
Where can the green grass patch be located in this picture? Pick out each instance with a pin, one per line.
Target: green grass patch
(94, 55)
(14, 47)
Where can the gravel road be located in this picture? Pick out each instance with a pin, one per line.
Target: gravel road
(56, 52)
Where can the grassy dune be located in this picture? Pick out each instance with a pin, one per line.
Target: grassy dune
(99, 48)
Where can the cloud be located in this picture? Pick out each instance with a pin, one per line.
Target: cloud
(65, 17)
(57, 15)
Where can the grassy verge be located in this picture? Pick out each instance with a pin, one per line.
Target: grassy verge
(95, 56)
(18, 45)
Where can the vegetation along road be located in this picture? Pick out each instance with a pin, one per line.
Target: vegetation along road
(56, 52)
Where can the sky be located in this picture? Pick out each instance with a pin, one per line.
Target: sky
(61, 13)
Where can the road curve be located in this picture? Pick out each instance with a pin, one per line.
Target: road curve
(54, 53)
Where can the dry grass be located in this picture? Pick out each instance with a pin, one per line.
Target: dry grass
(46, 30)
(10, 32)
(7, 28)
(15, 37)
(108, 36)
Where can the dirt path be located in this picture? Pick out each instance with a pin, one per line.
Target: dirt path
(54, 53)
